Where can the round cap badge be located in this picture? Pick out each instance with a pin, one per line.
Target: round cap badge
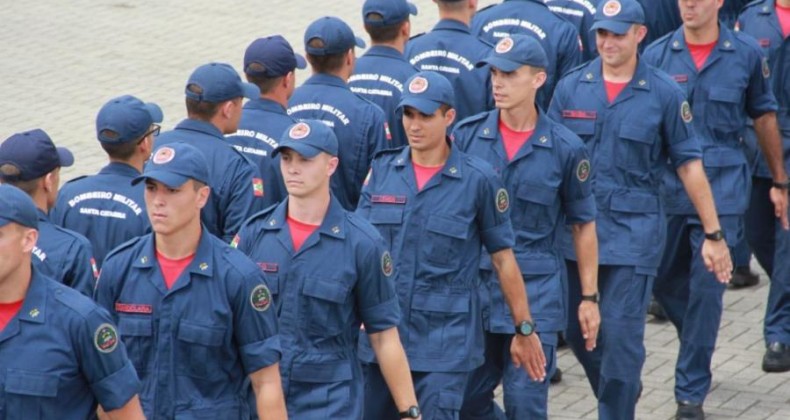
(299, 131)
(105, 338)
(260, 298)
(418, 85)
(504, 45)
(164, 155)
(611, 8)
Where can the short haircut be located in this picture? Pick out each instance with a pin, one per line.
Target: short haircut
(121, 151)
(10, 174)
(451, 5)
(265, 84)
(444, 108)
(329, 63)
(382, 34)
(201, 110)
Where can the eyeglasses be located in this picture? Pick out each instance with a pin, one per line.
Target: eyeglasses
(154, 131)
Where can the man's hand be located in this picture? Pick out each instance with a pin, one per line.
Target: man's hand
(528, 352)
(717, 259)
(590, 322)
(779, 198)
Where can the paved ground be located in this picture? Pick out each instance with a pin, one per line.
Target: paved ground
(63, 59)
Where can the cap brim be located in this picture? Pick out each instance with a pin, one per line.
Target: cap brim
(613, 26)
(250, 91)
(500, 63)
(301, 63)
(170, 179)
(412, 8)
(155, 111)
(360, 42)
(65, 156)
(426, 106)
(303, 149)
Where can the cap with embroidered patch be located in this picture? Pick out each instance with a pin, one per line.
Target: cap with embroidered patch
(126, 118)
(308, 138)
(617, 16)
(218, 82)
(174, 164)
(335, 36)
(515, 51)
(16, 206)
(426, 91)
(271, 57)
(387, 12)
(34, 154)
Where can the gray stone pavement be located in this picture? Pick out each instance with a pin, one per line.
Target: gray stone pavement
(61, 60)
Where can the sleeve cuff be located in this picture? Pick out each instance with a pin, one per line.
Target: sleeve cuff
(260, 354)
(382, 317)
(114, 391)
(580, 211)
(498, 238)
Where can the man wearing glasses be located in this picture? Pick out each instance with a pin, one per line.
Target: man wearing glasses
(105, 207)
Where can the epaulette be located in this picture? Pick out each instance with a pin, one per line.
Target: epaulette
(364, 226)
(392, 151)
(120, 248)
(261, 214)
(72, 299)
(473, 118)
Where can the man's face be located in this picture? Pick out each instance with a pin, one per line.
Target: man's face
(616, 50)
(697, 14)
(517, 88)
(16, 243)
(306, 177)
(426, 132)
(173, 209)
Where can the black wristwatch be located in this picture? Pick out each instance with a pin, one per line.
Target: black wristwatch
(525, 328)
(590, 298)
(715, 236)
(782, 185)
(412, 412)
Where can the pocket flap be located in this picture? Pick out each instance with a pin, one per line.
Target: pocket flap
(636, 133)
(386, 214)
(273, 283)
(200, 334)
(580, 127)
(535, 193)
(135, 326)
(723, 94)
(634, 203)
(435, 302)
(720, 158)
(448, 227)
(322, 372)
(332, 290)
(23, 382)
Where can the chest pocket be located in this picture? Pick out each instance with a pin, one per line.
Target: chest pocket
(724, 110)
(137, 335)
(387, 218)
(199, 345)
(584, 128)
(445, 239)
(634, 147)
(27, 393)
(326, 305)
(538, 203)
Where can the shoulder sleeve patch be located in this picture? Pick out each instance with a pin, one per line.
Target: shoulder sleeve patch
(387, 266)
(105, 339)
(583, 170)
(502, 200)
(685, 112)
(261, 298)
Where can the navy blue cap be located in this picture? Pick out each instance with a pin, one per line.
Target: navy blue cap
(34, 154)
(174, 164)
(391, 11)
(617, 16)
(219, 82)
(16, 206)
(336, 35)
(274, 57)
(515, 51)
(126, 118)
(427, 91)
(308, 138)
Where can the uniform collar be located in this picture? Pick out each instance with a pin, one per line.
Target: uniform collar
(452, 167)
(200, 126)
(540, 2)
(34, 308)
(541, 136)
(119, 168)
(42, 215)
(725, 43)
(452, 25)
(593, 73)
(333, 224)
(768, 7)
(385, 51)
(326, 79)
(265, 104)
(202, 264)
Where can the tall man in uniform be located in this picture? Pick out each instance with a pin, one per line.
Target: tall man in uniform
(359, 125)
(769, 23)
(214, 94)
(59, 352)
(437, 207)
(633, 119)
(451, 49)
(269, 63)
(194, 313)
(379, 75)
(727, 81)
(559, 38)
(31, 162)
(545, 169)
(105, 207)
(330, 274)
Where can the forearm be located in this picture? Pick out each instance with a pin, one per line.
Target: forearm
(512, 284)
(132, 410)
(692, 174)
(585, 243)
(770, 142)
(394, 367)
(269, 399)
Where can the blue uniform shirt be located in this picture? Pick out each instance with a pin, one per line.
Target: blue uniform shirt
(379, 76)
(548, 180)
(629, 141)
(193, 345)
(580, 13)
(359, 124)
(263, 122)
(60, 356)
(436, 236)
(559, 38)
(451, 50)
(661, 18)
(732, 86)
(338, 279)
(236, 184)
(65, 256)
(728, 14)
(105, 208)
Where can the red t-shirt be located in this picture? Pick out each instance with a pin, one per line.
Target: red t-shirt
(300, 232)
(512, 139)
(8, 311)
(423, 174)
(783, 13)
(701, 52)
(613, 89)
(171, 269)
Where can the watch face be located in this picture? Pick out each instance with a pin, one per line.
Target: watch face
(414, 412)
(525, 328)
